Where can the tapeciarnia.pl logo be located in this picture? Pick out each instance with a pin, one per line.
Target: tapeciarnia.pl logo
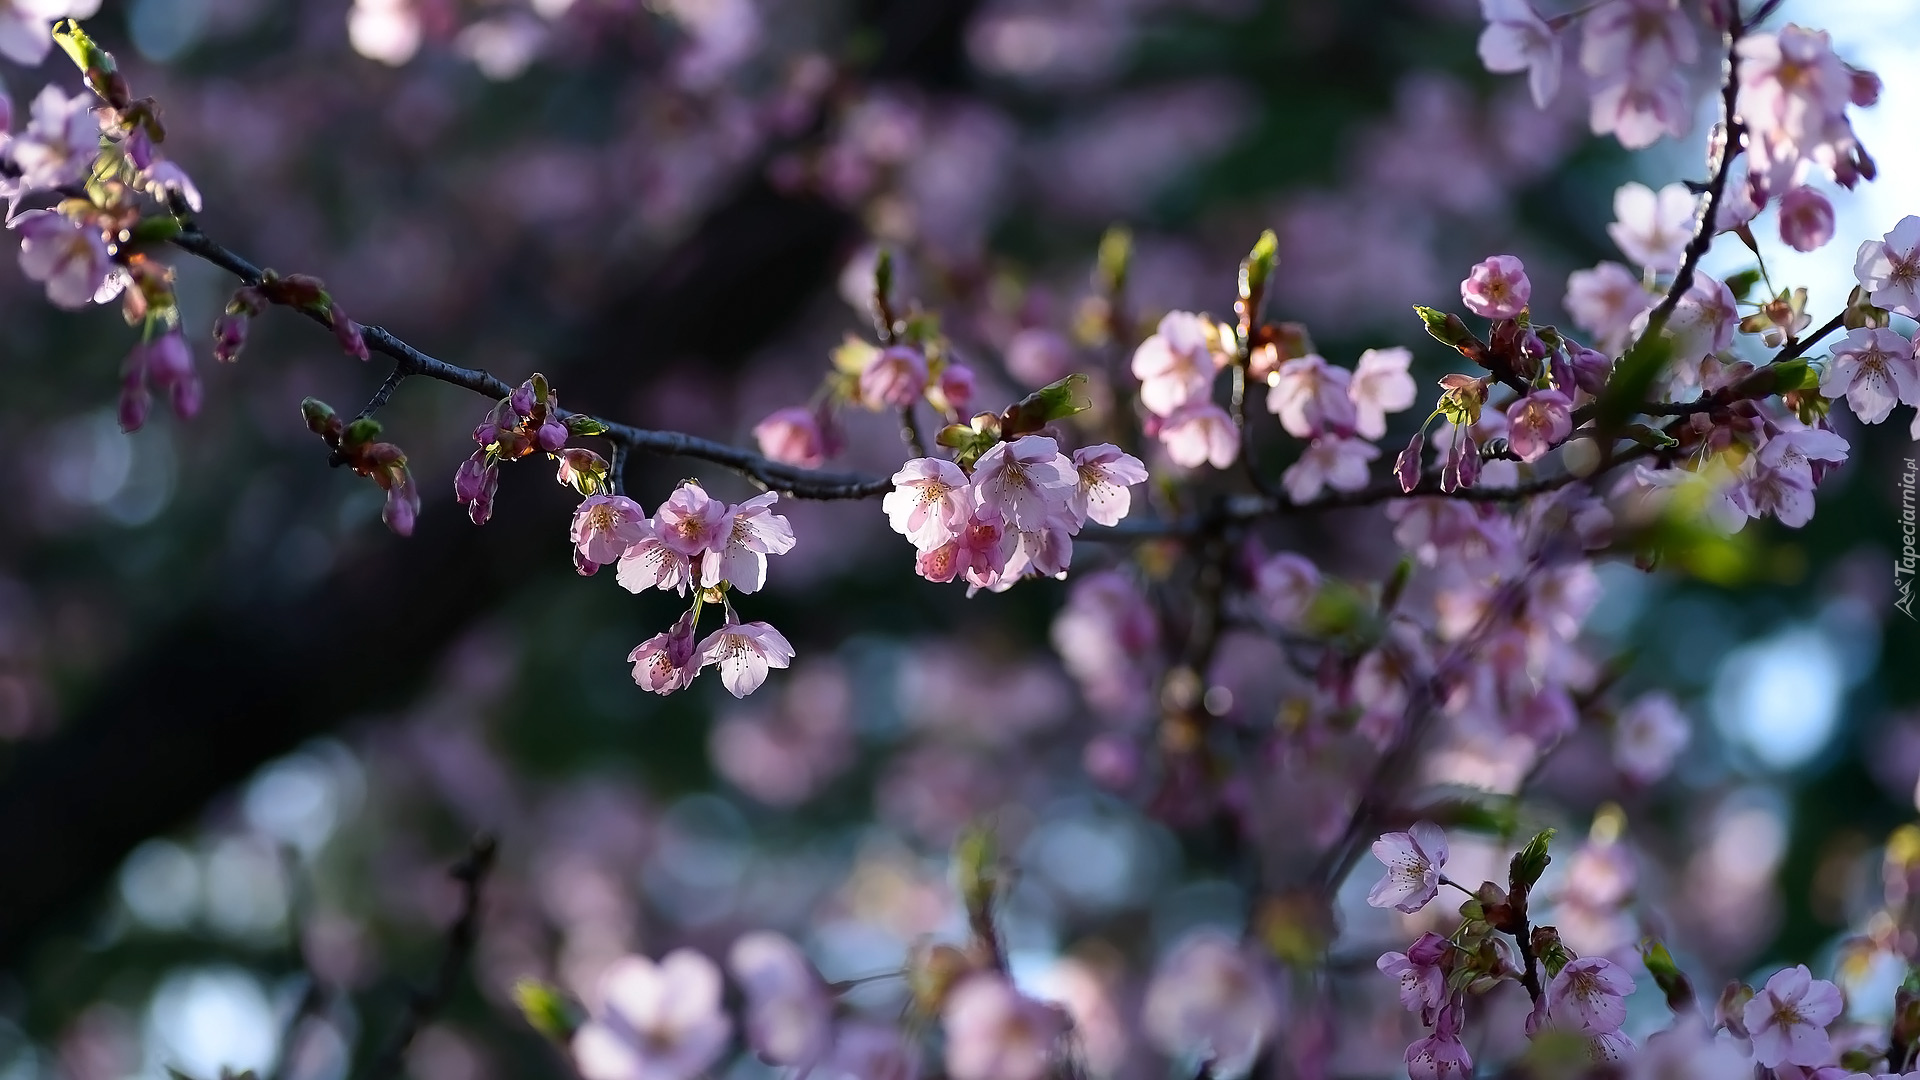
(1905, 565)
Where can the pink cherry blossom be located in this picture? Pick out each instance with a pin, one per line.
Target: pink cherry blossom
(651, 564)
(604, 527)
(996, 1033)
(1638, 111)
(930, 503)
(1793, 96)
(1199, 433)
(69, 259)
(1210, 1000)
(1786, 494)
(23, 29)
(1647, 736)
(60, 143)
(1653, 228)
(1310, 396)
(977, 553)
(1627, 35)
(1590, 995)
(1329, 462)
(895, 377)
(691, 522)
(1441, 1056)
(1788, 1019)
(792, 436)
(789, 1015)
(1605, 300)
(1026, 482)
(654, 1021)
(1497, 288)
(1539, 422)
(1806, 219)
(1177, 364)
(1106, 474)
(744, 652)
(1875, 369)
(1889, 268)
(1413, 859)
(1046, 551)
(1285, 585)
(1633, 49)
(1796, 448)
(1690, 1050)
(1381, 384)
(753, 532)
(668, 661)
(1518, 39)
(1702, 323)
(955, 387)
(1420, 972)
(1108, 636)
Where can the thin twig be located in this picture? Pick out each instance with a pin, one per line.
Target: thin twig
(772, 475)
(1706, 227)
(424, 1006)
(387, 386)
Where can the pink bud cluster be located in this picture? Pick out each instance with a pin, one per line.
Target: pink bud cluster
(1015, 514)
(524, 422)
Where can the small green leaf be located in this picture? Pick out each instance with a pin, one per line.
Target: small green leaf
(1114, 259)
(1743, 282)
(581, 425)
(1055, 401)
(1651, 438)
(86, 55)
(1258, 265)
(319, 416)
(1531, 861)
(1633, 377)
(360, 432)
(1667, 975)
(1447, 328)
(155, 230)
(550, 1013)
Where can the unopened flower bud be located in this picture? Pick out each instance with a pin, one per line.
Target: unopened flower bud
(347, 332)
(229, 336)
(1406, 467)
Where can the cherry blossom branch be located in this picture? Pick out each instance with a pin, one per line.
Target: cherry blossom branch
(471, 872)
(1705, 227)
(1719, 399)
(1388, 771)
(410, 362)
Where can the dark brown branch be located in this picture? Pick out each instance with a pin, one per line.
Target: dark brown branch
(409, 361)
(1707, 226)
(1720, 399)
(424, 1006)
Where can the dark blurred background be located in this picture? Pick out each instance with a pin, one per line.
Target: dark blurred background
(246, 730)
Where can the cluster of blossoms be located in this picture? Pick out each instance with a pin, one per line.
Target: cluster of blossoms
(1015, 514)
(1336, 410)
(1211, 1000)
(699, 544)
(1582, 999)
